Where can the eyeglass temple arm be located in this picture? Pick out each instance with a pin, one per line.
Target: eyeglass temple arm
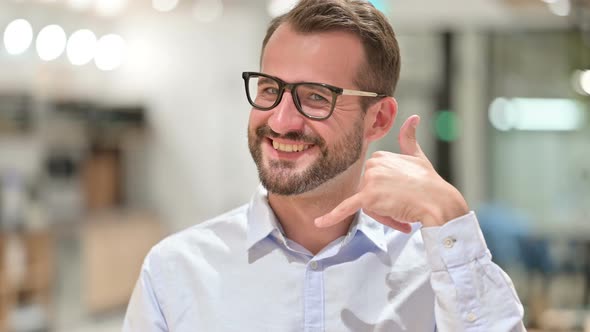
(360, 93)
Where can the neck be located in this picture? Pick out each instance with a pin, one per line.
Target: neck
(297, 213)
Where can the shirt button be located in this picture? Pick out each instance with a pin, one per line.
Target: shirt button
(449, 242)
(471, 317)
(313, 265)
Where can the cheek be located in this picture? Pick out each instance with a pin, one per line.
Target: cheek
(345, 123)
(258, 118)
(255, 120)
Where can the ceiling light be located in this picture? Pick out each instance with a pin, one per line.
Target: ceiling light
(110, 7)
(581, 82)
(81, 47)
(585, 81)
(208, 10)
(537, 114)
(164, 5)
(18, 36)
(110, 52)
(560, 7)
(80, 5)
(51, 42)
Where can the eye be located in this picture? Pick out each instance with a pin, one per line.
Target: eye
(314, 95)
(317, 97)
(271, 90)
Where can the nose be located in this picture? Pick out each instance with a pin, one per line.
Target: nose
(285, 117)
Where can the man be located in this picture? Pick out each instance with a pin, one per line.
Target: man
(329, 242)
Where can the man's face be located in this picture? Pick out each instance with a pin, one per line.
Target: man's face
(294, 154)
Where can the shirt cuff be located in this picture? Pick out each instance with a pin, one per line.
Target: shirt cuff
(455, 243)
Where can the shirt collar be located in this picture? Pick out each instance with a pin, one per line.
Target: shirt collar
(262, 222)
(261, 219)
(372, 229)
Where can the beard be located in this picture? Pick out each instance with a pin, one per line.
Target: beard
(281, 177)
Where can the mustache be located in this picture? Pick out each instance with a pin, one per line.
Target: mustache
(265, 130)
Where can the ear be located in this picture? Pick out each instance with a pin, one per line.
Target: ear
(380, 118)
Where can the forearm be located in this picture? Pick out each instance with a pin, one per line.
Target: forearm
(472, 293)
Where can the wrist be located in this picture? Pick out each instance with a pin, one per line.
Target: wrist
(450, 205)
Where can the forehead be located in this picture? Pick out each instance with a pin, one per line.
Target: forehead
(332, 57)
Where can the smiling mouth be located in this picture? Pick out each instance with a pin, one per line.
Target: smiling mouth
(290, 147)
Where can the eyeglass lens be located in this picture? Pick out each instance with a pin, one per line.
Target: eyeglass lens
(315, 100)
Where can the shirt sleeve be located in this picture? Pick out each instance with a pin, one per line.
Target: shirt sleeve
(144, 313)
(472, 293)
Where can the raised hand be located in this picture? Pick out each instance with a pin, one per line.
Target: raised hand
(398, 189)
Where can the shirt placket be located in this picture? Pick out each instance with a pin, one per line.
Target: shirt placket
(313, 290)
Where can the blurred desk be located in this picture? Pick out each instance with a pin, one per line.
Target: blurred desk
(113, 248)
(27, 261)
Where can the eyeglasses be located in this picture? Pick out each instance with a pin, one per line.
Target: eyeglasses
(315, 101)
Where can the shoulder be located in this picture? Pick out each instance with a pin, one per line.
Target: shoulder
(192, 259)
(217, 235)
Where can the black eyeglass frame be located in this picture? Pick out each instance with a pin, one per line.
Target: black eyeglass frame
(336, 91)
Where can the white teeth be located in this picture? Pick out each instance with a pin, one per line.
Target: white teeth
(289, 147)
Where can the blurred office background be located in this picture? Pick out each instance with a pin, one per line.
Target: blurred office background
(122, 121)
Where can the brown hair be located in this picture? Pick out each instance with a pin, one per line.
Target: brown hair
(380, 72)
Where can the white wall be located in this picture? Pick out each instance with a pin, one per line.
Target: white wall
(190, 75)
(187, 74)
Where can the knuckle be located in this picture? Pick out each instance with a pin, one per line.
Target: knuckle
(378, 154)
(372, 162)
(371, 175)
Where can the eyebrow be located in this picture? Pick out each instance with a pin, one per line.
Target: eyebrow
(315, 86)
(262, 79)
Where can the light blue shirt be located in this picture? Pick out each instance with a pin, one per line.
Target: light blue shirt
(238, 272)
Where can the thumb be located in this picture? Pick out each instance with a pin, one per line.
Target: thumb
(407, 137)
